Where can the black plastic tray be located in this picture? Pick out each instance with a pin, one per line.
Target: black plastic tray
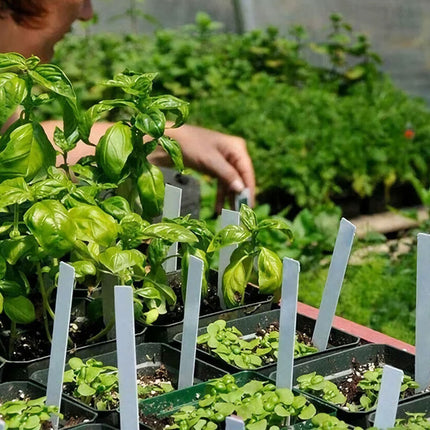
(338, 365)
(169, 403)
(149, 356)
(420, 404)
(11, 390)
(338, 339)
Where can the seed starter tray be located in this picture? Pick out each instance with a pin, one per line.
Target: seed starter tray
(338, 339)
(149, 357)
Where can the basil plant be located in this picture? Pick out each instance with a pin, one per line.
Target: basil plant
(96, 214)
(250, 257)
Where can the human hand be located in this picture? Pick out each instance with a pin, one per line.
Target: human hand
(222, 156)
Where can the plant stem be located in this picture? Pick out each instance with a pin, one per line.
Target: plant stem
(12, 338)
(46, 307)
(103, 332)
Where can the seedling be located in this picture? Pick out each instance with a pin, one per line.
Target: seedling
(27, 414)
(249, 248)
(93, 383)
(369, 387)
(229, 344)
(96, 385)
(260, 404)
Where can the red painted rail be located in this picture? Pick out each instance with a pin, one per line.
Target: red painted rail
(358, 330)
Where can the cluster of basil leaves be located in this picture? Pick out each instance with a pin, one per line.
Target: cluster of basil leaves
(97, 213)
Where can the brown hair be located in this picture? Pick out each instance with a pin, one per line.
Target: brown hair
(24, 12)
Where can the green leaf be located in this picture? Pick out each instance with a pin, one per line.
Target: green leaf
(259, 425)
(12, 60)
(19, 309)
(114, 149)
(151, 122)
(236, 276)
(150, 186)
(12, 93)
(14, 249)
(28, 153)
(94, 225)
(14, 191)
(85, 390)
(116, 206)
(172, 147)
(230, 235)
(269, 271)
(84, 268)
(76, 363)
(277, 225)
(307, 412)
(52, 227)
(248, 217)
(170, 103)
(53, 78)
(170, 232)
(11, 288)
(117, 260)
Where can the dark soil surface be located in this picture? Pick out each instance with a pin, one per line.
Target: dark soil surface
(348, 385)
(32, 342)
(155, 422)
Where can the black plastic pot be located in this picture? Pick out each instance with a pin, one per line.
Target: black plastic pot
(13, 389)
(337, 365)
(149, 357)
(255, 303)
(169, 403)
(19, 369)
(418, 405)
(338, 339)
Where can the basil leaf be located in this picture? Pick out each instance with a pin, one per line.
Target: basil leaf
(269, 271)
(152, 122)
(170, 232)
(19, 309)
(94, 225)
(12, 93)
(113, 150)
(230, 235)
(150, 186)
(52, 227)
(174, 150)
(118, 260)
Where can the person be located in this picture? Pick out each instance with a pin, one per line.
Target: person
(33, 27)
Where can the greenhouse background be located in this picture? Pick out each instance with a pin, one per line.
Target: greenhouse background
(399, 31)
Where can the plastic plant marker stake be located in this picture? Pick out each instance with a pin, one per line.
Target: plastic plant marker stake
(228, 217)
(126, 357)
(234, 422)
(60, 334)
(191, 323)
(287, 323)
(172, 209)
(2, 425)
(388, 397)
(108, 281)
(333, 285)
(242, 198)
(422, 324)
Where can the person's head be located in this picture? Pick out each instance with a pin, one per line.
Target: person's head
(43, 22)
